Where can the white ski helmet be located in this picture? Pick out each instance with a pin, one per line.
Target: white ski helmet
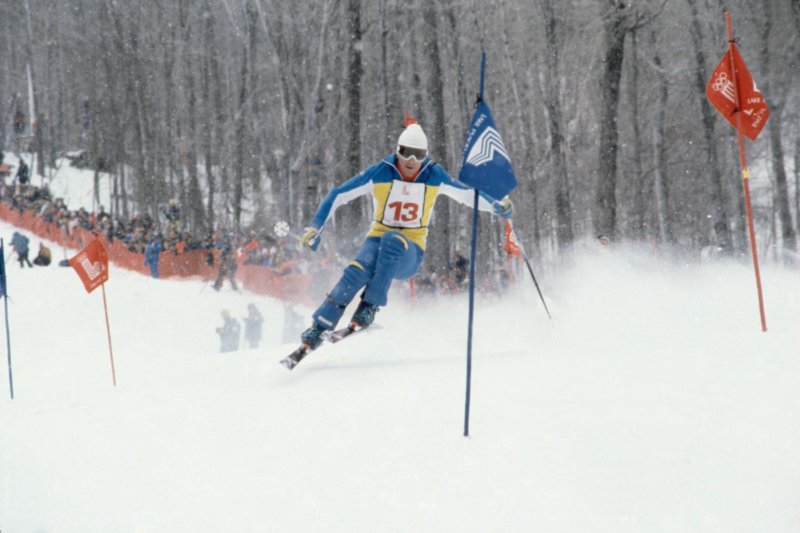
(413, 137)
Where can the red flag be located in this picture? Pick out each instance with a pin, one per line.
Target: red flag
(91, 264)
(511, 246)
(721, 92)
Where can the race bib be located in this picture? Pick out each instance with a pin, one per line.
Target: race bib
(405, 205)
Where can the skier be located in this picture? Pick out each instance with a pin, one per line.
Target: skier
(404, 186)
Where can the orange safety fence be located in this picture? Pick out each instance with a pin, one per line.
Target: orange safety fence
(188, 264)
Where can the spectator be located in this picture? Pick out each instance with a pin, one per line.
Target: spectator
(228, 333)
(250, 252)
(173, 214)
(5, 169)
(44, 257)
(20, 244)
(460, 268)
(23, 173)
(19, 123)
(293, 322)
(151, 253)
(252, 326)
(227, 263)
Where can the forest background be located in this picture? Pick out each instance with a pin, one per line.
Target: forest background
(249, 111)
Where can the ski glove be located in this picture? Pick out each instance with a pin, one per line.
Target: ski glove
(503, 208)
(310, 238)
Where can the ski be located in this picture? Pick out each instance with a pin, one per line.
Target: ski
(291, 360)
(341, 334)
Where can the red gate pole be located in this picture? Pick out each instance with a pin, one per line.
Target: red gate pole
(108, 330)
(745, 176)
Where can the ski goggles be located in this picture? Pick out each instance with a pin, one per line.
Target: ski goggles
(407, 152)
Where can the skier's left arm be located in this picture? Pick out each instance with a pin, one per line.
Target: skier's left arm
(466, 195)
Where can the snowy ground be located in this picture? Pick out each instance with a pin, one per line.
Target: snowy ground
(652, 402)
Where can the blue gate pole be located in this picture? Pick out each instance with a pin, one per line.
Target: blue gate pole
(474, 247)
(5, 304)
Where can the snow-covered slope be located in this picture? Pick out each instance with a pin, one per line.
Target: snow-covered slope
(651, 402)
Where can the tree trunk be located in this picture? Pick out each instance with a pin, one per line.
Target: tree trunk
(638, 222)
(439, 249)
(716, 203)
(659, 150)
(244, 145)
(552, 102)
(352, 216)
(774, 124)
(210, 125)
(613, 53)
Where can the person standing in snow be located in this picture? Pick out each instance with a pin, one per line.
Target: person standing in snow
(252, 326)
(227, 262)
(404, 186)
(228, 333)
(152, 251)
(20, 244)
(23, 173)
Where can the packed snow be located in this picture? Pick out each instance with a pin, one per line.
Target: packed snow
(652, 401)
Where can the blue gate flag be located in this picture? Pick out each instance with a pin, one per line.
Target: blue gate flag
(485, 164)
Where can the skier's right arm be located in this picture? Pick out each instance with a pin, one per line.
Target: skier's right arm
(356, 186)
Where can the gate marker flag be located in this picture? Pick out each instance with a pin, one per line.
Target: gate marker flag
(486, 167)
(749, 105)
(91, 264)
(732, 91)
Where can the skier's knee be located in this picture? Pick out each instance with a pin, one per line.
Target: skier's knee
(394, 244)
(355, 273)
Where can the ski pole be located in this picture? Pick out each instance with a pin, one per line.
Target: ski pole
(530, 270)
(282, 229)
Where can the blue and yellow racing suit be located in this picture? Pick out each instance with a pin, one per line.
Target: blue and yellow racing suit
(395, 244)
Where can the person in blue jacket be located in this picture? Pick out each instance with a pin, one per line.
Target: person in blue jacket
(404, 187)
(20, 244)
(152, 251)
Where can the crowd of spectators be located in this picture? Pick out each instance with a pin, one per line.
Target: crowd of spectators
(166, 235)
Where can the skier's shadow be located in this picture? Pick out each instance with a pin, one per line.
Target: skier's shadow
(379, 362)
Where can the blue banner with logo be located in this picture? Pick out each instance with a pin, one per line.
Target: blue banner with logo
(485, 164)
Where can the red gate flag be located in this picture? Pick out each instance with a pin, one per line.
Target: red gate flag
(511, 246)
(91, 264)
(721, 92)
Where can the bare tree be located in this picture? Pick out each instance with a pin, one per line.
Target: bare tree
(775, 127)
(552, 101)
(616, 25)
(719, 216)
